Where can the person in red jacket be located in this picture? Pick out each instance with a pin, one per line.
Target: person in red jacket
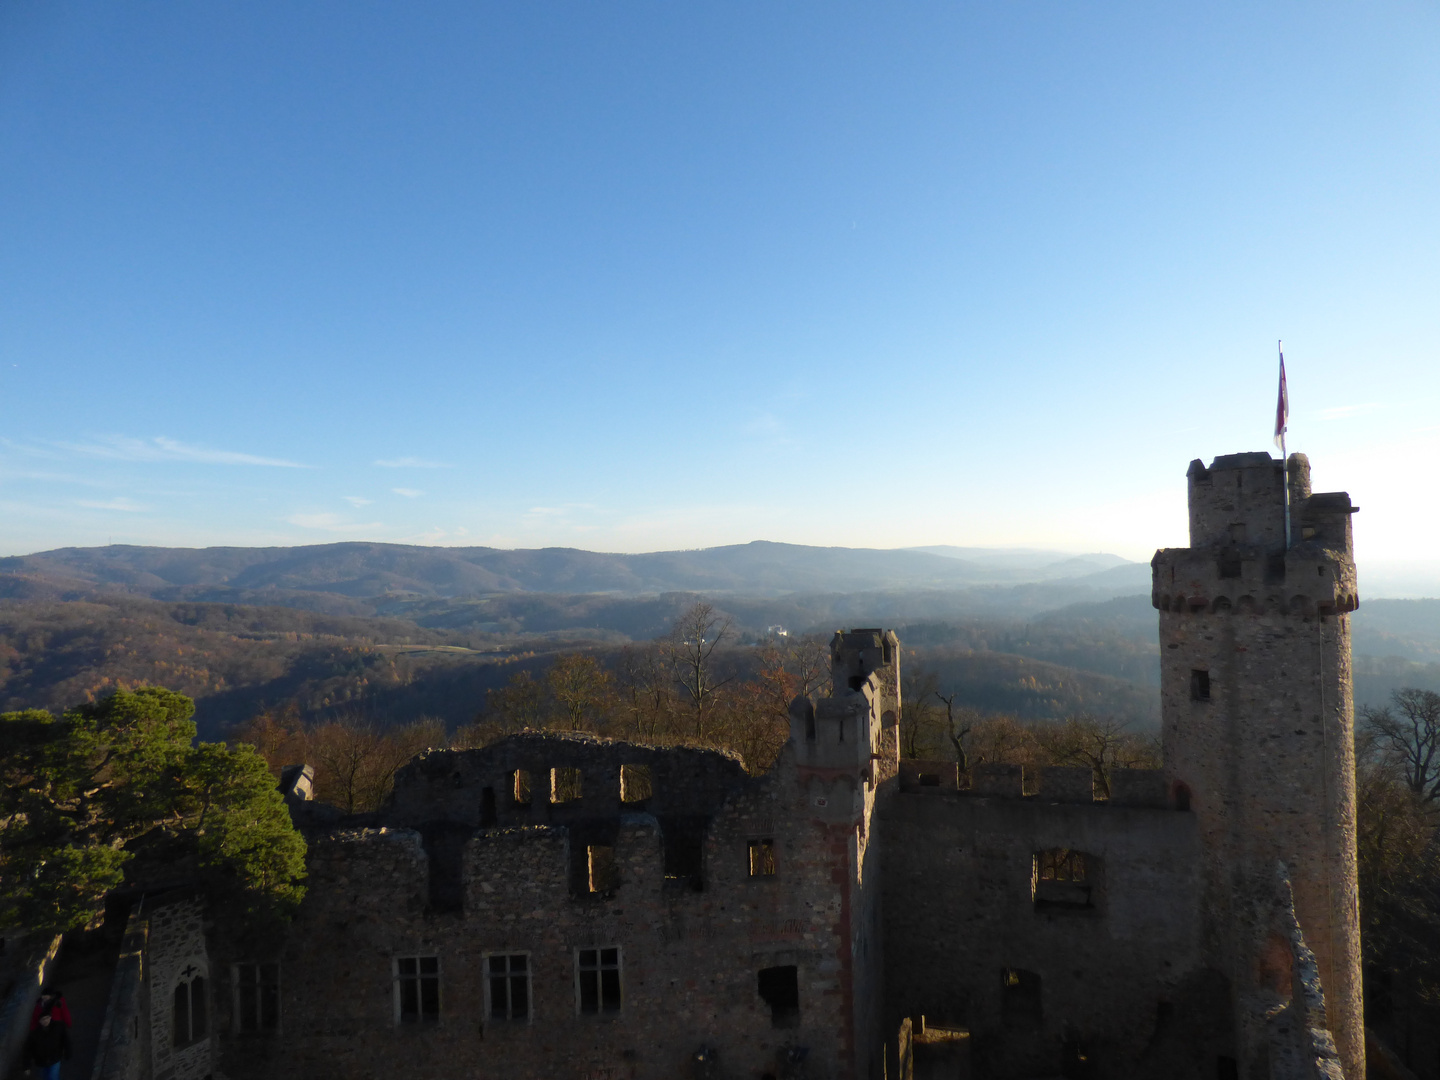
(52, 1001)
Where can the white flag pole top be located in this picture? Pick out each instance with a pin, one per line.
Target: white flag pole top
(1282, 403)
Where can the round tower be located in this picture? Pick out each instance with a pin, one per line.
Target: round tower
(1258, 723)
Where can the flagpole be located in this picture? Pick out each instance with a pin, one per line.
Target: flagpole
(1286, 472)
(1282, 423)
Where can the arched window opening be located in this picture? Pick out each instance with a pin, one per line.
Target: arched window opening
(189, 1014)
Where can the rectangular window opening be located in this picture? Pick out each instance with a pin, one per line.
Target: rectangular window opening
(604, 873)
(1199, 685)
(779, 987)
(520, 787)
(417, 989)
(564, 785)
(509, 985)
(257, 998)
(762, 858)
(1063, 879)
(684, 844)
(597, 973)
(635, 783)
(487, 807)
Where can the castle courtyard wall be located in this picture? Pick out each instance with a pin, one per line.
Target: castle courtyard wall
(690, 959)
(960, 911)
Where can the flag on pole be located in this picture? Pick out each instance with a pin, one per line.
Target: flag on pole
(1282, 403)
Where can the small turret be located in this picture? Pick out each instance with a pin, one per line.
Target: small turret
(846, 730)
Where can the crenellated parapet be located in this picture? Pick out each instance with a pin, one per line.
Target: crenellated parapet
(1241, 557)
(839, 732)
(1136, 788)
(1306, 580)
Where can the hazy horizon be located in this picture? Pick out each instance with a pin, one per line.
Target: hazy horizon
(1379, 579)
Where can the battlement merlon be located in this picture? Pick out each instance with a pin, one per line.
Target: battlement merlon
(839, 732)
(1239, 501)
(1237, 541)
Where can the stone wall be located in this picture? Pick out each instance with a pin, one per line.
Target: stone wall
(142, 1037)
(690, 959)
(1292, 1002)
(123, 1052)
(969, 927)
(175, 954)
(744, 911)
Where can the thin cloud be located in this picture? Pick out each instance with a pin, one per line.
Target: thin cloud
(162, 448)
(409, 493)
(558, 511)
(1344, 412)
(356, 501)
(129, 506)
(412, 463)
(329, 522)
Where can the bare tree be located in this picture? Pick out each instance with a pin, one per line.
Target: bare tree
(348, 755)
(581, 688)
(807, 658)
(278, 734)
(516, 705)
(754, 717)
(918, 721)
(958, 728)
(1003, 739)
(1412, 738)
(1102, 743)
(690, 648)
(646, 691)
(1398, 851)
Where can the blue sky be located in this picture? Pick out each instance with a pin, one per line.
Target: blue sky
(638, 276)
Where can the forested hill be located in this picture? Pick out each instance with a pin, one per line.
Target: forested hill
(235, 660)
(324, 576)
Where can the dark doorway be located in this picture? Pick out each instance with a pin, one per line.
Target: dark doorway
(1020, 996)
(780, 988)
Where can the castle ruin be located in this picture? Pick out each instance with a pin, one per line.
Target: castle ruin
(561, 905)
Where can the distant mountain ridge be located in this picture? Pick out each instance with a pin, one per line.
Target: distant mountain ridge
(368, 570)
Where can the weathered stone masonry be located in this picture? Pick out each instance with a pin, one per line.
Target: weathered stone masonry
(644, 850)
(1256, 703)
(560, 905)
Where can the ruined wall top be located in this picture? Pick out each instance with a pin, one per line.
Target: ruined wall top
(450, 785)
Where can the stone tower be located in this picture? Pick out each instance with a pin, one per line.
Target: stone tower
(1258, 724)
(844, 748)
